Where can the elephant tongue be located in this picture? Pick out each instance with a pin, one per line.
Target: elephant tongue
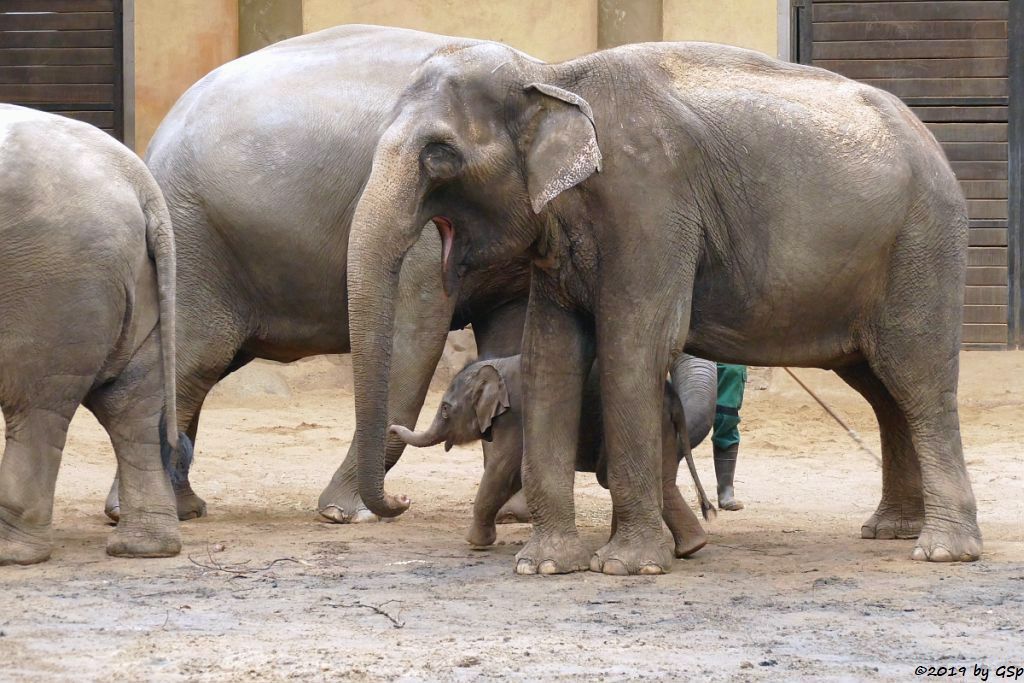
(447, 232)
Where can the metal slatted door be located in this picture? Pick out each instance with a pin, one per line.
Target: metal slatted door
(64, 56)
(948, 60)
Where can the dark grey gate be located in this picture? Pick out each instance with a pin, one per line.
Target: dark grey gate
(64, 56)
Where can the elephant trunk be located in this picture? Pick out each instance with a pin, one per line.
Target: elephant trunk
(431, 436)
(384, 228)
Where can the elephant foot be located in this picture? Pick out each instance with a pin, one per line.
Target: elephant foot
(514, 511)
(482, 535)
(622, 556)
(552, 554)
(156, 537)
(19, 545)
(339, 514)
(688, 545)
(190, 506)
(894, 520)
(113, 512)
(112, 506)
(340, 503)
(950, 542)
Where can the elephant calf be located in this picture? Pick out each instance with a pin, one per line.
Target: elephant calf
(86, 317)
(485, 401)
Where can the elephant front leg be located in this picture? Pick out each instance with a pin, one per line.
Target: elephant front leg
(556, 357)
(503, 460)
(632, 392)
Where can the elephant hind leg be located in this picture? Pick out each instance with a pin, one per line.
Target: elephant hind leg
(130, 409)
(900, 513)
(28, 475)
(203, 361)
(920, 375)
(687, 533)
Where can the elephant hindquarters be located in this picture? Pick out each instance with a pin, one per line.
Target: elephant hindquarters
(695, 382)
(48, 364)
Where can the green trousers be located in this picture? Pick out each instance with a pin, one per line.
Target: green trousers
(731, 379)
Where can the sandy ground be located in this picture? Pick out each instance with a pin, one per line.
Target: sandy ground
(784, 590)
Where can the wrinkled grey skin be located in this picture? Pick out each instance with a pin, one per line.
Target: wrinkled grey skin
(484, 401)
(86, 318)
(262, 162)
(679, 196)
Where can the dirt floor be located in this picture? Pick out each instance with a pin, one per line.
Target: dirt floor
(785, 589)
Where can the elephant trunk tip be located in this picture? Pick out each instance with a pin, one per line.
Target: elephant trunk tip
(429, 437)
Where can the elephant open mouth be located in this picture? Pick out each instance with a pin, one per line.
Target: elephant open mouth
(449, 276)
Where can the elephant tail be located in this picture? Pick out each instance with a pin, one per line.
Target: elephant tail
(160, 244)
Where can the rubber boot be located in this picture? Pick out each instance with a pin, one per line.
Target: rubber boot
(725, 469)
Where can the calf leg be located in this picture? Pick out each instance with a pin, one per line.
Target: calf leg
(687, 533)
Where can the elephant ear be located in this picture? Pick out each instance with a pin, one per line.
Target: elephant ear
(563, 152)
(491, 400)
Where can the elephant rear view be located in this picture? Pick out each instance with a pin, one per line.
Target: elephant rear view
(86, 317)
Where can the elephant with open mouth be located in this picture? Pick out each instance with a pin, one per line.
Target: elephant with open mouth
(676, 197)
(262, 163)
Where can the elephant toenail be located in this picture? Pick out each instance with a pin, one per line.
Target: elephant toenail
(867, 532)
(615, 568)
(548, 567)
(941, 554)
(919, 554)
(595, 564)
(651, 569)
(525, 567)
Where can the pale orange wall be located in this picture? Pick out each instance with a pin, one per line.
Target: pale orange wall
(547, 29)
(746, 23)
(177, 42)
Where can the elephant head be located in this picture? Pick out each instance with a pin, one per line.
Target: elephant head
(475, 398)
(481, 142)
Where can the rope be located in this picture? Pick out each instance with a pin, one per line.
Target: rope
(853, 435)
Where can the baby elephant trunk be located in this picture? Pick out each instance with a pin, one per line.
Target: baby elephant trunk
(431, 436)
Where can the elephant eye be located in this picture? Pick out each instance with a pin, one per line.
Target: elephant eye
(444, 410)
(441, 161)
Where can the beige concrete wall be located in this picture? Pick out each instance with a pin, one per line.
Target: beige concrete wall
(264, 22)
(545, 29)
(746, 23)
(177, 43)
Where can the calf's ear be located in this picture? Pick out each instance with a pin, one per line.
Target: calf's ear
(563, 151)
(491, 399)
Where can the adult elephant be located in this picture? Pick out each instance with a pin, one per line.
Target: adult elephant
(86, 318)
(678, 196)
(261, 163)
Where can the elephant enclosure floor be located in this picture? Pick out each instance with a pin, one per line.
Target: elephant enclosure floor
(785, 589)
